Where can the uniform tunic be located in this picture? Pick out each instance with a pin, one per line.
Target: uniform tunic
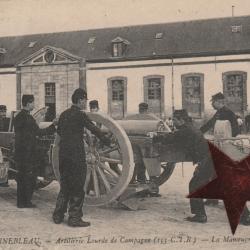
(26, 130)
(72, 160)
(223, 114)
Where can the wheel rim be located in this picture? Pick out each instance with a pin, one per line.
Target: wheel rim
(167, 168)
(109, 170)
(166, 171)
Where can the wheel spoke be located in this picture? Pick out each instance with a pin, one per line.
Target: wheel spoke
(110, 160)
(115, 168)
(87, 180)
(109, 150)
(109, 170)
(96, 184)
(104, 179)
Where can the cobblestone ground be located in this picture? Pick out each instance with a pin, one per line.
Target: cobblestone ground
(159, 225)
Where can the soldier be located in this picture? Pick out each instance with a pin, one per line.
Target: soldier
(72, 162)
(143, 114)
(93, 106)
(4, 127)
(223, 113)
(26, 130)
(140, 169)
(187, 138)
(4, 121)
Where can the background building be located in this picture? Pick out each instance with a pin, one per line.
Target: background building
(170, 65)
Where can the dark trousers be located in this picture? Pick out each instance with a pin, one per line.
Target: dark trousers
(140, 169)
(26, 182)
(71, 195)
(203, 173)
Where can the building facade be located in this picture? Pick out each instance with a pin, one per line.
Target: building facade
(169, 66)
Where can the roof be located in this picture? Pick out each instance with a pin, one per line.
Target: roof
(180, 39)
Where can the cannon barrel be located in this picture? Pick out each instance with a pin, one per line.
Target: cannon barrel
(131, 127)
(139, 127)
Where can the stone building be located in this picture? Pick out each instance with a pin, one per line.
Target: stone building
(169, 66)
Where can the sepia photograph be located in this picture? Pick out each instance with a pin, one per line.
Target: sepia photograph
(124, 124)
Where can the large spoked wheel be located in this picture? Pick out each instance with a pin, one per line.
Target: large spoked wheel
(110, 169)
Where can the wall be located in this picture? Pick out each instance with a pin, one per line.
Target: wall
(211, 67)
(65, 77)
(8, 89)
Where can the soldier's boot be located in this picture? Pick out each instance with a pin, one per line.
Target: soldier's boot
(60, 209)
(57, 218)
(154, 188)
(77, 222)
(200, 218)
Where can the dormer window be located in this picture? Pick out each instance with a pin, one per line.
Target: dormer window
(119, 46)
(159, 35)
(118, 49)
(236, 28)
(32, 44)
(3, 51)
(91, 40)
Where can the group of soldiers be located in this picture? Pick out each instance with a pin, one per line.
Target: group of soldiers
(72, 159)
(187, 137)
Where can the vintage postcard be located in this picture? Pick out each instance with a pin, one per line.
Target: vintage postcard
(124, 124)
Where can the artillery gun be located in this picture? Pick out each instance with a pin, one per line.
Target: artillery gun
(110, 169)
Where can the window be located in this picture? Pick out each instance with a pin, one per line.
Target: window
(119, 45)
(236, 28)
(154, 93)
(154, 88)
(50, 101)
(117, 90)
(158, 35)
(193, 94)
(91, 40)
(118, 49)
(234, 89)
(3, 51)
(50, 89)
(31, 44)
(117, 97)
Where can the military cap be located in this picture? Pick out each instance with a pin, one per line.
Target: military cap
(143, 105)
(181, 113)
(26, 99)
(93, 104)
(3, 108)
(218, 96)
(79, 94)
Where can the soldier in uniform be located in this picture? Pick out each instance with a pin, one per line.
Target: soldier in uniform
(191, 140)
(140, 169)
(222, 113)
(72, 160)
(26, 130)
(93, 106)
(4, 127)
(4, 121)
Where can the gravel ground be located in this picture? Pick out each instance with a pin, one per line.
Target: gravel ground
(158, 225)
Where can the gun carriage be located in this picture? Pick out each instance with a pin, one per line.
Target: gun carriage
(110, 169)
